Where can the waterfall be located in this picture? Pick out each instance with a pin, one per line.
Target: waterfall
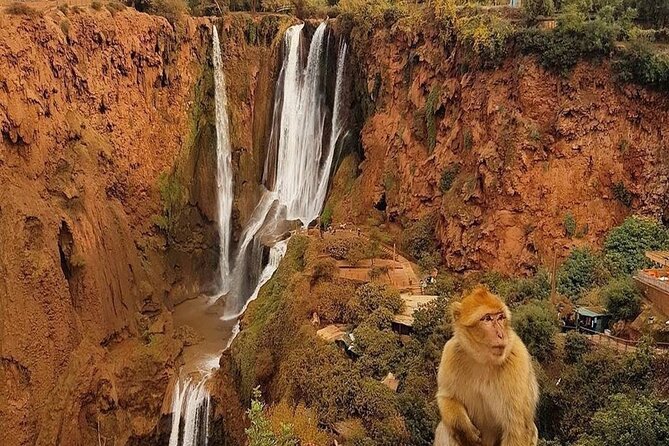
(297, 167)
(190, 401)
(224, 172)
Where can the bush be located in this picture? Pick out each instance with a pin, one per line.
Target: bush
(325, 269)
(569, 224)
(575, 346)
(419, 239)
(622, 299)
(574, 39)
(536, 324)
(622, 194)
(430, 317)
(380, 350)
(487, 37)
(581, 271)
(347, 248)
(629, 421)
(520, 290)
(115, 7)
(625, 245)
(326, 217)
(431, 106)
(260, 431)
(65, 27)
(371, 296)
(96, 5)
(172, 10)
(18, 8)
(448, 176)
(535, 8)
(640, 64)
(332, 300)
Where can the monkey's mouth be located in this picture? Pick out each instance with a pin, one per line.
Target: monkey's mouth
(498, 350)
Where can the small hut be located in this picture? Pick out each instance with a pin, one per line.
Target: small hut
(592, 319)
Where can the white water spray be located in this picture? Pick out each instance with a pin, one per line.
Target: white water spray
(223, 167)
(190, 401)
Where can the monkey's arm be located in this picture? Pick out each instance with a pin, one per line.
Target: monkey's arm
(457, 422)
(453, 412)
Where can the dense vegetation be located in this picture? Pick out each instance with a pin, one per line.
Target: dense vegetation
(314, 388)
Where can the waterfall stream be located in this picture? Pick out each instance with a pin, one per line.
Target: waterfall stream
(305, 132)
(223, 166)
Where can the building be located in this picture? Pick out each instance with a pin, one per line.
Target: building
(403, 322)
(592, 319)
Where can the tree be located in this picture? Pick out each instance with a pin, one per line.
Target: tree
(628, 421)
(536, 324)
(582, 270)
(536, 8)
(625, 245)
(622, 299)
(575, 346)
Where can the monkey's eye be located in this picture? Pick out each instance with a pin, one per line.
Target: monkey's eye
(501, 317)
(486, 318)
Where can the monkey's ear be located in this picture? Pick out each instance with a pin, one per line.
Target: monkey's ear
(456, 310)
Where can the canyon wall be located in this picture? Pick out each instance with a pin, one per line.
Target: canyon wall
(521, 149)
(107, 207)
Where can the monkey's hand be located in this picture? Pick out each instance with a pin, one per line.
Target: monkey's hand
(455, 418)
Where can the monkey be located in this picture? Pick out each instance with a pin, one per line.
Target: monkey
(487, 389)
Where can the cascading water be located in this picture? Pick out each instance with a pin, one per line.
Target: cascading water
(297, 168)
(190, 401)
(302, 145)
(223, 167)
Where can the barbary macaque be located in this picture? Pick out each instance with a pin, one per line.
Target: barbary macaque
(487, 390)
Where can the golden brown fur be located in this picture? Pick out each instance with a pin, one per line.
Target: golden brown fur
(487, 390)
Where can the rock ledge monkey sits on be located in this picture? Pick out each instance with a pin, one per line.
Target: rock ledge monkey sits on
(487, 390)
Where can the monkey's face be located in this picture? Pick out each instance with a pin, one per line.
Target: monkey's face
(493, 334)
(481, 322)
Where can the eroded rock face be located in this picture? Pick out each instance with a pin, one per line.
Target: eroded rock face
(529, 146)
(91, 115)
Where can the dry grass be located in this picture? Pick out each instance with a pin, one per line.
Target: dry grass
(18, 8)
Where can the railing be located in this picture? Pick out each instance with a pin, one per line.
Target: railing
(653, 281)
(618, 343)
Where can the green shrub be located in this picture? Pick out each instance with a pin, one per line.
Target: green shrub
(625, 245)
(523, 289)
(431, 106)
(629, 421)
(535, 8)
(371, 296)
(575, 346)
(573, 39)
(536, 324)
(350, 249)
(96, 5)
(326, 217)
(654, 12)
(569, 224)
(380, 350)
(65, 27)
(260, 432)
(172, 10)
(18, 8)
(487, 37)
(332, 299)
(581, 271)
(325, 269)
(640, 64)
(622, 194)
(448, 176)
(419, 239)
(468, 139)
(622, 299)
(64, 8)
(430, 317)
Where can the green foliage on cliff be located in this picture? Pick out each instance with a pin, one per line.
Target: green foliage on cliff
(640, 64)
(536, 324)
(431, 106)
(260, 431)
(535, 8)
(582, 270)
(625, 245)
(448, 176)
(622, 299)
(486, 36)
